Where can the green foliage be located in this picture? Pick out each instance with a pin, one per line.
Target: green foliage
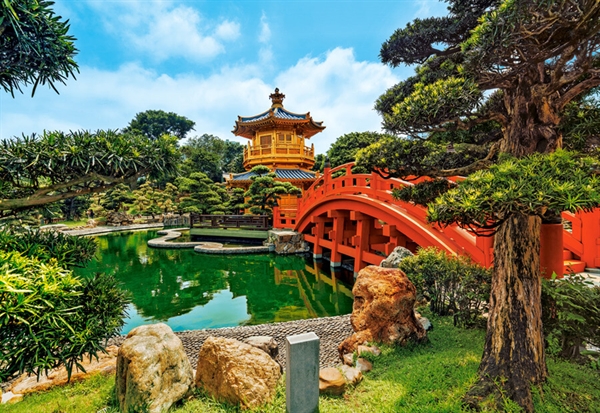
(424, 192)
(319, 163)
(264, 191)
(451, 284)
(581, 123)
(75, 207)
(50, 317)
(535, 185)
(236, 203)
(149, 200)
(204, 196)
(64, 250)
(345, 148)
(35, 47)
(37, 170)
(570, 314)
(212, 156)
(403, 158)
(155, 123)
(116, 197)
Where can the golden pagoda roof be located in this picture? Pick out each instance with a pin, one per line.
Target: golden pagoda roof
(277, 117)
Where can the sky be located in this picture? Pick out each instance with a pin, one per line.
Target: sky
(214, 60)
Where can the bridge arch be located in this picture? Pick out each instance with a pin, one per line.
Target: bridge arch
(355, 215)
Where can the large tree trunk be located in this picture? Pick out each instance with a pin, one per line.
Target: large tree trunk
(533, 117)
(514, 357)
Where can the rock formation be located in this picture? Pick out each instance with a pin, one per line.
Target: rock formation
(383, 309)
(236, 372)
(393, 260)
(153, 371)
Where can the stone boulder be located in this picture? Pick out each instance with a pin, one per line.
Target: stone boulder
(352, 375)
(266, 344)
(119, 218)
(331, 381)
(236, 372)
(153, 371)
(383, 309)
(393, 260)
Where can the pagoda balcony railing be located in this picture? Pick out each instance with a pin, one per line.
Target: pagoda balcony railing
(271, 152)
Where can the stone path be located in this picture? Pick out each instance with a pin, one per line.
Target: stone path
(331, 331)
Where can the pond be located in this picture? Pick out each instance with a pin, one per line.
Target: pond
(189, 291)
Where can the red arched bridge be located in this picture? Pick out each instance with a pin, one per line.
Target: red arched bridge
(354, 216)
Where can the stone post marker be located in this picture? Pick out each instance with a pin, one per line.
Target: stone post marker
(302, 373)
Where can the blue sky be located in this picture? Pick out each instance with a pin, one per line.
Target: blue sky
(212, 60)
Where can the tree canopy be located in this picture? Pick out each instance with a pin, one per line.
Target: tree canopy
(517, 64)
(345, 148)
(35, 46)
(155, 123)
(39, 169)
(212, 156)
(503, 75)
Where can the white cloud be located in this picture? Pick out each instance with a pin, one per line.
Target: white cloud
(335, 88)
(265, 30)
(228, 30)
(162, 30)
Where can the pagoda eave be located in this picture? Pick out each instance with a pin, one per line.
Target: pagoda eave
(308, 128)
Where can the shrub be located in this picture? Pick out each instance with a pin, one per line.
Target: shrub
(68, 251)
(570, 314)
(451, 284)
(50, 317)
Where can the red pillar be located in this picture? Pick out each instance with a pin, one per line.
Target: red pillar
(336, 236)
(551, 250)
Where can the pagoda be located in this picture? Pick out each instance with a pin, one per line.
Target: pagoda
(277, 139)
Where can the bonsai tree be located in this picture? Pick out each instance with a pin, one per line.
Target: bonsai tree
(498, 74)
(265, 191)
(236, 202)
(204, 196)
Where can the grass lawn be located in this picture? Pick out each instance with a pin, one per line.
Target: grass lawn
(426, 378)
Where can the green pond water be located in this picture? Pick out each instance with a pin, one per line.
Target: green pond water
(189, 291)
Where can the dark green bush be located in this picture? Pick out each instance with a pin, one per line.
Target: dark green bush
(452, 284)
(67, 250)
(49, 317)
(570, 315)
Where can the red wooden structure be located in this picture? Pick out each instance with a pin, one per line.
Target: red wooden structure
(355, 215)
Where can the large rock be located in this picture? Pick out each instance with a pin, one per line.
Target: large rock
(393, 260)
(331, 381)
(119, 218)
(153, 371)
(236, 372)
(383, 309)
(105, 364)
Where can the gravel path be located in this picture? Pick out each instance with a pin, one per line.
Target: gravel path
(331, 331)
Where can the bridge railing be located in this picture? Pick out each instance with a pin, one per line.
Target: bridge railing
(341, 180)
(581, 236)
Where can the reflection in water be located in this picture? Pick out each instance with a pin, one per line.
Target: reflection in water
(187, 290)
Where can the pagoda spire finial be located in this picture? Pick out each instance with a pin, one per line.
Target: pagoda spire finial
(277, 98)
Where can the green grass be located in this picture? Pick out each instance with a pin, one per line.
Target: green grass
(425, 378)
